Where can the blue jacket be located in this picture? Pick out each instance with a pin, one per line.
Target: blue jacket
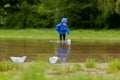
(62, 29)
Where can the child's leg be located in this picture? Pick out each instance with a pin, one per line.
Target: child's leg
(64, 36)
(60, 37)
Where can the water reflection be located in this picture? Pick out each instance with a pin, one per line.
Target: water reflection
(62, 52)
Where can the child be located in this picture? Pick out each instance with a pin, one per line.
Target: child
(62, 28)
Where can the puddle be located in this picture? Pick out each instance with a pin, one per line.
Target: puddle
(43, 49)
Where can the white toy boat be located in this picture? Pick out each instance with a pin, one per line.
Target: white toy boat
(69, 41)
(18, 59)
(53, 59)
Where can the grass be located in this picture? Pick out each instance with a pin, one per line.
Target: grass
(76, 35)
(6, 66)
(90, 63)
(72, 71)
(114, 66)
(64, 69)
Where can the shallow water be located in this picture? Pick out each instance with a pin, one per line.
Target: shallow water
(43, 49)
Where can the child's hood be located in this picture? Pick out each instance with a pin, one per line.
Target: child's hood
(64, 20)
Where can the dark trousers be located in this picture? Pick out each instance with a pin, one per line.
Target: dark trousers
(62, 37)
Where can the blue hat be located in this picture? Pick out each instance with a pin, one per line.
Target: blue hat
(64, 20)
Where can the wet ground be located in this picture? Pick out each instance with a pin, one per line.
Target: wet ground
(43, 49)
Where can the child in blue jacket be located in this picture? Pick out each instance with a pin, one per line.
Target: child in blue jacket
(62, 28)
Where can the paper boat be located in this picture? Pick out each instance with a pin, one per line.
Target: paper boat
(18, 59)
(69, 41)
(53, 59)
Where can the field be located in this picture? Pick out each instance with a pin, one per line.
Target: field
(42, 70)
(76, 35)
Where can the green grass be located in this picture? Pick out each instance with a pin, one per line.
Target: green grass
(90, 63)
(44, 71)
(28, 34)
(6, 66)
(76, 35)
(114, 66)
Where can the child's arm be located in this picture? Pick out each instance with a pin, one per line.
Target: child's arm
(57, 27)
(68, 31)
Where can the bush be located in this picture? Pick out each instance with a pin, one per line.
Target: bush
(29, 16)
(81, 14)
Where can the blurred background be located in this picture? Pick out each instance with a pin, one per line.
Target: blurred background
(82, 14)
